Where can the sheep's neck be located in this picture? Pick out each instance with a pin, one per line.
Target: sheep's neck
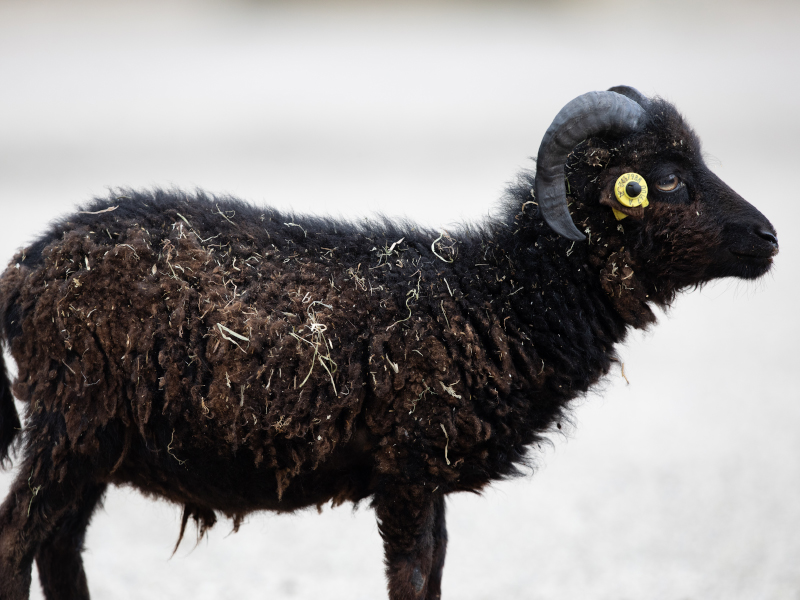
(555, 302)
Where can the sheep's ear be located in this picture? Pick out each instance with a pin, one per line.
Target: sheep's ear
(591, 114)
(630, 190)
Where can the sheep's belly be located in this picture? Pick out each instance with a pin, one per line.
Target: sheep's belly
(235, 485)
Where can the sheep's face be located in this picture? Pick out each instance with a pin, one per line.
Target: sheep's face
(695, 228)
(701, 229)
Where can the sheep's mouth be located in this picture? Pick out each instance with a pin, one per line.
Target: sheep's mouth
(749, 264)
(764, 256)
(755, 249)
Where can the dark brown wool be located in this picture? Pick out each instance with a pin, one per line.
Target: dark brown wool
(230, 358)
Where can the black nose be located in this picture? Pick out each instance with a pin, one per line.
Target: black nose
(766, 235)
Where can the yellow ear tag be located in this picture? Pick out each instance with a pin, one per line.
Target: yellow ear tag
(630, 190)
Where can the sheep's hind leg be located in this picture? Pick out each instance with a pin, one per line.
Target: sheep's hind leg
(59, 557)
(31, 518)
(411, 522)
(439, 550)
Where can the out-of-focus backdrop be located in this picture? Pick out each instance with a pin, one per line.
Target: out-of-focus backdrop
(683, 485)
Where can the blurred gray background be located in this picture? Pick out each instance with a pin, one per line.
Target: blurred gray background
(683, 485)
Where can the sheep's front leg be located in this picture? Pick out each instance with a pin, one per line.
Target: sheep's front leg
(411, 522)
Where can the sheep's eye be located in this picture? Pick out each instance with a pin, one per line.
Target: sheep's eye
(670, 183)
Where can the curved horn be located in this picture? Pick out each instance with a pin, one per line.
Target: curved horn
(631, 93)
(583, 117)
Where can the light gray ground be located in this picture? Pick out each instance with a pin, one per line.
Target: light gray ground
(683, 485)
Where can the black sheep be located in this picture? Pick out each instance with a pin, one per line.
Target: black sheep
(230, 358)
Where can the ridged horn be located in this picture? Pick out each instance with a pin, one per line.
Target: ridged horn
(587, 115)
(631, 93)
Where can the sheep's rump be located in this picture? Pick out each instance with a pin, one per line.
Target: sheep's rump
(230, 338)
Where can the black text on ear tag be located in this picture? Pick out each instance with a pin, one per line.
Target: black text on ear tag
(630, 190)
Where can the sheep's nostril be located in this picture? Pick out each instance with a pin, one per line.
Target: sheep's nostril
(766, 235)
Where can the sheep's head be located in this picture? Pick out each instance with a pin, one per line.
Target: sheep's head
(694, 228)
